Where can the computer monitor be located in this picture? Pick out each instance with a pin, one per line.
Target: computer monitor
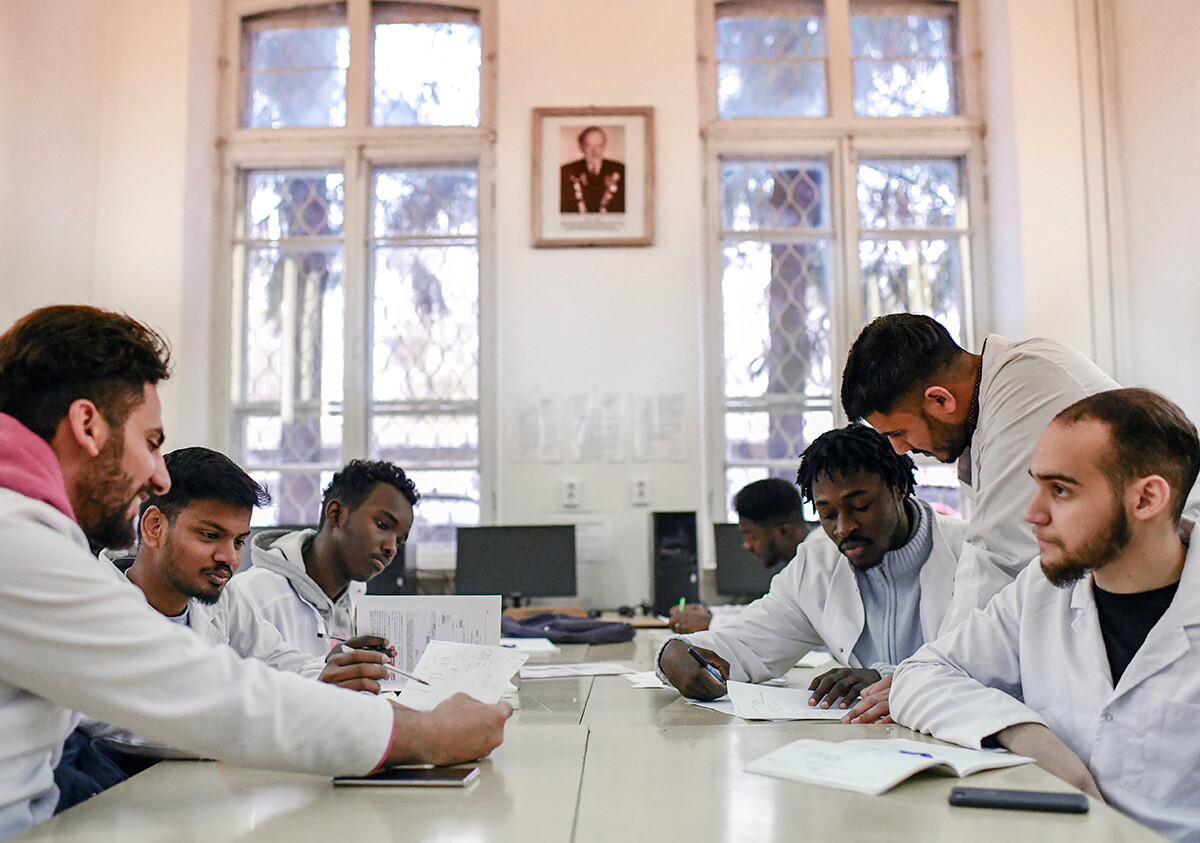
(516, 562)
(739, 572)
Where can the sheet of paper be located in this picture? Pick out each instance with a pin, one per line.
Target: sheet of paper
(530, 645)
(760, 702)
(646, 679)
(557, 671)
(450, 667)
(411, 622)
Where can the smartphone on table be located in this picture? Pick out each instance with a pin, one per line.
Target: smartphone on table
(1019, 800)
(419, 776)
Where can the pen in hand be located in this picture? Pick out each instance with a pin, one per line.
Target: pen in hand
(704, 664)
(375, 648)
(392, 668)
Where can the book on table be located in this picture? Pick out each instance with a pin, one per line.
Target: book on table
(873, 766)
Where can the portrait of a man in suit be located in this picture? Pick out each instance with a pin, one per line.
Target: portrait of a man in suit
(592, 184)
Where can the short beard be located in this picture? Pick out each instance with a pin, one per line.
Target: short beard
(1094, 554)
(103, 498)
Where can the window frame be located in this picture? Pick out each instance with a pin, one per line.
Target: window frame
(843, 138)
(357, 150)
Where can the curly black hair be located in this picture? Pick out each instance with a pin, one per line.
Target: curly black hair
(357, 478)
(849, 450)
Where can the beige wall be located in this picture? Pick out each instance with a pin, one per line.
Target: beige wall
(106, 150)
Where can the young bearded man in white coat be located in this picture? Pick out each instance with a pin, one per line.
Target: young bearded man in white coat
(80, 439)
(1090, 661)
(872, 587)
(306, 582)
(190, 544)
(907, 378)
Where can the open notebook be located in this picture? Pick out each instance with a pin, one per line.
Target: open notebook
(873, 766)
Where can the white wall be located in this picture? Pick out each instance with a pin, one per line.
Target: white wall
(106, 151)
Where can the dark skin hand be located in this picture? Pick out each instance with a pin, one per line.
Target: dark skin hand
(694, 618)
(688, 677)
(356, 667)
(841, 683)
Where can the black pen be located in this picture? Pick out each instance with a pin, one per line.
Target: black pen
(704, 664)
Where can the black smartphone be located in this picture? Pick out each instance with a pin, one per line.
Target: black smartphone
(1019, 800)
(420, 776)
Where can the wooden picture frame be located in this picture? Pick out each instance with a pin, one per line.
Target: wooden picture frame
(593, 177)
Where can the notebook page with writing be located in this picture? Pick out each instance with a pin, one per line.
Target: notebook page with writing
(873, 766)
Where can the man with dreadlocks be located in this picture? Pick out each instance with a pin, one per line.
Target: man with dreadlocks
(873, 588)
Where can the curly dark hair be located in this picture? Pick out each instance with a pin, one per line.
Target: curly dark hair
(849, 450)
(57, 355)
(893, 356)
(357, 478)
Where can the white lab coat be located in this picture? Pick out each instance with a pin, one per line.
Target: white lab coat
(815, 601)
(1035, 654)
(75, 635)
(1022, 387)
(232, 621)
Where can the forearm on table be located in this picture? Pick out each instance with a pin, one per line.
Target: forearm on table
(1036, 741)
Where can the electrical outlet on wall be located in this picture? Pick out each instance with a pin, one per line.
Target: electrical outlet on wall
(641, 491)
(570, 492)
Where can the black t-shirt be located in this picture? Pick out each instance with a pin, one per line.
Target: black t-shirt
(1126, 620)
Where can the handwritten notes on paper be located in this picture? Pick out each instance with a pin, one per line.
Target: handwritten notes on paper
(450, 667)
(761, 702)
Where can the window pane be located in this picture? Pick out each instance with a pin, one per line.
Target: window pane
(422, 439)
(774, 195)
(914, 276)
(771, 66)
(426, 325)
(449, 500)
(293, 204)
(427, 74)
(426, 201)
(772, 434)
(294, 69)
(904, 61)
(295, 497)
(908, 194)
(776, 305)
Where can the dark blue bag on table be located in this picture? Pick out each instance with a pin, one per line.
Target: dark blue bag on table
(567, 629)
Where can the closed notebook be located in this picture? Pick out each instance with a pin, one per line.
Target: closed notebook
(873, 766)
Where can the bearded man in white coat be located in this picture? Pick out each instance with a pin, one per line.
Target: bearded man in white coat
(873, 585)
(1090, 661)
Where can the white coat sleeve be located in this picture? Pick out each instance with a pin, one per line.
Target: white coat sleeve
(254, 637)
(966, 684)
(1026, 393)
(766, 638)
(77, 633)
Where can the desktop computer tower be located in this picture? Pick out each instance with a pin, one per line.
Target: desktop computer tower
(674, 555)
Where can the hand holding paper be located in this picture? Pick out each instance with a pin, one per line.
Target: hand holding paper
(479, 671)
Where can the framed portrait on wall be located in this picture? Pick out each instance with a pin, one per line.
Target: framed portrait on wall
(593, 177)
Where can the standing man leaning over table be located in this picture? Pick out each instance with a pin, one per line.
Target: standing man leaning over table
(873, 591)
(907, 378)
(1090, 661)
(80, 447)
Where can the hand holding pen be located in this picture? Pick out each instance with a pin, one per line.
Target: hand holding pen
(362, 642)
(695, 672)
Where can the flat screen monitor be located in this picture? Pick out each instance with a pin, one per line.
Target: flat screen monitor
(739, 572)
(516, 562)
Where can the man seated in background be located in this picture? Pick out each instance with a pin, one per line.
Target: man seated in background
(873, 591)
(80, 439)
(1089, 662)
(771, 521)
(305, 582)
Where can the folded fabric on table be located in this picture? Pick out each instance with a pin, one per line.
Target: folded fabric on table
(566, 629)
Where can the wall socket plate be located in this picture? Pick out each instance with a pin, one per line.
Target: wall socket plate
(640, 491)
(569, 492)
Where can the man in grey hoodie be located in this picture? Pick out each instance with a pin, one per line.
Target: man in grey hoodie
(305, 582)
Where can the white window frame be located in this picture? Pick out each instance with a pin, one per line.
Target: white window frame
(843, 138)
(356, 149)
